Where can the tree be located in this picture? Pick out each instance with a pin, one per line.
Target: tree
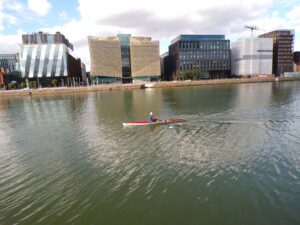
(184, 75)
(12, 85)
(53, 83)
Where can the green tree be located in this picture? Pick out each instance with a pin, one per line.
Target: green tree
(33, 84)
(12, 85)
(53, 83)
(23, 85)
(196, 75)
(184, 75)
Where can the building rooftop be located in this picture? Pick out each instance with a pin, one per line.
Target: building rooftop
(198, 37)
(45, 38)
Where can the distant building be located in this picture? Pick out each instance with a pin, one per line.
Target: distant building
(252, 57)
(166, 73)
(283, 46)
(124, 58)
(46, 57)
(8, 63)
(296, 61)
(208, 54)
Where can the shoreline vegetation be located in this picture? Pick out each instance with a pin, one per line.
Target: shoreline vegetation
(118, 86)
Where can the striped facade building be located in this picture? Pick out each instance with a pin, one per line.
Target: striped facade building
(46, 57)
(43, 60)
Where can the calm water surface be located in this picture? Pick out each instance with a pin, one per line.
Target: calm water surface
(68, 160)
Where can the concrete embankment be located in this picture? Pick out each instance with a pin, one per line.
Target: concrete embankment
(221, 81)
(111, 87)
(65, 90)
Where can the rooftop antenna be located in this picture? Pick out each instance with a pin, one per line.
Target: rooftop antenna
(252, 28)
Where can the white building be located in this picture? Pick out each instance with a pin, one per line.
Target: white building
(252, 56)
(43, 60)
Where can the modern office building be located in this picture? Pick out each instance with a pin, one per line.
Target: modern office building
(296, 61)
(45, 38)
(124, 58)
(9, 63)
(252, 57)
(283, 47)
(46, 57)
(208, 54)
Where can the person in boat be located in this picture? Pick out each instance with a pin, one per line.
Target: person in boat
(152, 118)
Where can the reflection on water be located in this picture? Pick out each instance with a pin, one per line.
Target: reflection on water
(67, 159)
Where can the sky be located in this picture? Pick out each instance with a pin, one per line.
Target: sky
(162, 20)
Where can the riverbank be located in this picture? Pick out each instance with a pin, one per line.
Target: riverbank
(111, 87)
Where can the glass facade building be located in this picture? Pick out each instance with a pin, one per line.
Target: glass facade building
(125, 56)
(43, 60)
(49, 56)
(208, 54)
(45, 38)
(9, 63)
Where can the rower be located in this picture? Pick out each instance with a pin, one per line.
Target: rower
(152, 118)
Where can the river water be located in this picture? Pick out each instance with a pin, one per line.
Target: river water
(66, 159)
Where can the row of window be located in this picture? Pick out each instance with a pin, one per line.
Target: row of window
(9, 64)
(46, 39)
(205, 45)
(205, 65)
(193, 55)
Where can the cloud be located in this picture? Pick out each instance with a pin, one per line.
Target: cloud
(40, 7)
(13, 5)
(164, 20)
(5, 18)
(63, 15)
(11, 43)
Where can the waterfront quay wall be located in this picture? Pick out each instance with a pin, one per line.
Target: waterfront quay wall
(111, 87)
(221, 81)
(65, 90)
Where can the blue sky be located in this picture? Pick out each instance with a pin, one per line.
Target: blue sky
(162, 20)
(59, 13)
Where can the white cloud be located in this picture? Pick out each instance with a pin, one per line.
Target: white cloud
(4, 17)
(163, 20)
(13, 5)
(63, 15)
(40, 7)
(11, 43)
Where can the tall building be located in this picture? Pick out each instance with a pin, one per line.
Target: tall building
(124, 58)
(296, 61)
(45, 57)
(252, 56)
(208, 54)
(165, 67)
(283, 47)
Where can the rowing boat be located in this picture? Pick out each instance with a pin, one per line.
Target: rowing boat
(146, 122)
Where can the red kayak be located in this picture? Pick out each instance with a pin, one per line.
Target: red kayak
(146, 122)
